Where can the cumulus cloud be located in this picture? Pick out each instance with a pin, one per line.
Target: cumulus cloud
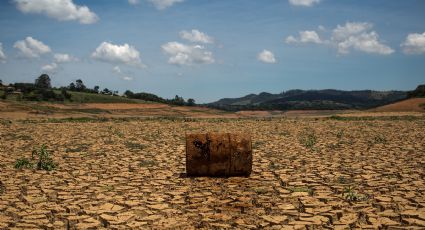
(308, 36)
(50, 68)
(31, 48)
(291, 39)
(196, 36)
(63, 58)
(303, 2)
(266, 56)
(62, 10)
(181, 54)
(345, 38)
(162, 4)
(414, 44)
(124, 54)
(2, 55)
(133, 2)
(358, 36)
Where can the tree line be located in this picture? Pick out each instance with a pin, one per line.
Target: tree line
(42, 90)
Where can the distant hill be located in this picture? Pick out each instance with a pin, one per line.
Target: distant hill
(408, 105)
(328, 99)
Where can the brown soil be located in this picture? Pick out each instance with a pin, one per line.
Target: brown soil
(412, 104)
(307, 173)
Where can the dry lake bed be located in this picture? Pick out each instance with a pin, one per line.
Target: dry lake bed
(130, 173)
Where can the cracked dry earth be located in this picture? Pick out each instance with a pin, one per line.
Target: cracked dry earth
(307, 173)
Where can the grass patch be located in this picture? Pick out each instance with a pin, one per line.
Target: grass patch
(134, 145)
(91, 111)
(43, 161)
(380, 139)
(308, 138)
(376, 118)
(301, 189)
(351, 195)
(147, 163)
(78, 148)
(23, 163)
(5, 122)
(257, 144)
(108, 188)
(344, 180)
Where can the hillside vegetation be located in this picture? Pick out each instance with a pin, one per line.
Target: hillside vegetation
(328, 99)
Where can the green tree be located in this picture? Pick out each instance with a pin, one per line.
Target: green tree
(43, 82)
(96, 89)
(71, 86)
(106, 91)
(191, 102)
(79, 85)
(129, 94)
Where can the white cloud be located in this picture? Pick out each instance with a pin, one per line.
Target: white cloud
(50, 68)
(63, 58)
(127, 78)
(303, 2)
(112, 53)
(162, 4)
(350, 29)
(181, 54)
(116, 69)
(2, 55)
(291, 39)
(266, 56)
(358, 36)
(308, 36)
(351, 36)
(414, 44)
(62, 10)
(133, 2)
(196, 36)
(31, 48)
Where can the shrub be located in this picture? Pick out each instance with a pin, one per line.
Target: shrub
(23, 163)
(308, 138)
(45, 162)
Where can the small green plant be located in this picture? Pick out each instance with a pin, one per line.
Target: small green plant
(108, 188)
(285, 133)
(44, 162)
(301, 189)
(257, 144)
(340, 134)
(134, 145)
(351, 195)
(308, 138)
(147, 163)
(380, 139)
(344, 180)
(23, 163)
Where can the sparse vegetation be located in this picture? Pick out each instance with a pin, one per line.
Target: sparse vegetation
(147, 163)
(134, 146)
(44, 161)
(40, 159)
(23, 163)
(301, 189)
(351, 195)
(308, 138)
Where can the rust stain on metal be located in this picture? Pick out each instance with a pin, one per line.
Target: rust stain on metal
(218, 154)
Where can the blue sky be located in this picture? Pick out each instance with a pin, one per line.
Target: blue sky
(208, 50)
